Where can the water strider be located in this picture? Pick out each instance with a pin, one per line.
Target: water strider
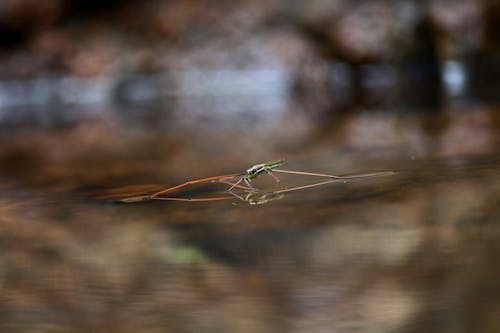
(268, 167)
(250, 174)
(257, 170)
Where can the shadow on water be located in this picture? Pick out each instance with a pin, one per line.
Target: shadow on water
(409, 252)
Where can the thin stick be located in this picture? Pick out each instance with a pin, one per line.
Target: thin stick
(363, 175)
(192, 199)
(192, 182)
(371, 174)
(306, 186)
(307, 173)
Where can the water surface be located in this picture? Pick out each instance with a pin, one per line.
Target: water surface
(415, 251)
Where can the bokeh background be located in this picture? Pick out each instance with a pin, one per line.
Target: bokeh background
(100, 97)
(325, 56)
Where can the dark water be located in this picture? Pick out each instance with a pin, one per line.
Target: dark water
(416, 251)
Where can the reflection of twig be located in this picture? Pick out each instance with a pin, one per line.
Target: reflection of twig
(258, 198)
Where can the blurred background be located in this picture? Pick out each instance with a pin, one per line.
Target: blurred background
(98, 95)
(316, 58)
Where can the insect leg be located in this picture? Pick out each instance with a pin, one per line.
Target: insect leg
(247, 181)
(272, 175)
(235, 184)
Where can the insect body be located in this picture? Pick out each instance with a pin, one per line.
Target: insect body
(257, 170)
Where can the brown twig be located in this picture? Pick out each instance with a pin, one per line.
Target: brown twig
(192, 182)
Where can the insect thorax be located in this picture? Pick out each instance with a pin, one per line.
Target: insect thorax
(256, 170)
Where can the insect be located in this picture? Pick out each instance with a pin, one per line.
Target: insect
(268, 167)
(257, 170)
(254, 196)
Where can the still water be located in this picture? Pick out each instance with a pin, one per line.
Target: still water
(415, 251)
